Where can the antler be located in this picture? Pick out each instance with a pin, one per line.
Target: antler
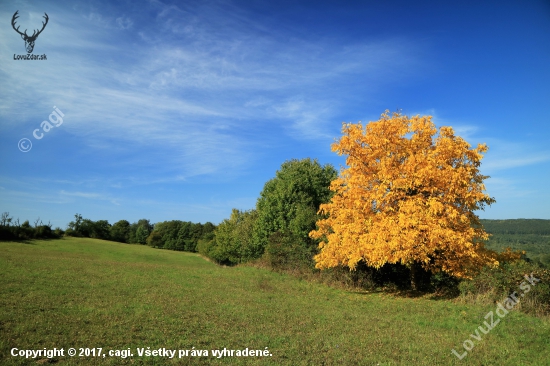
(15, 16)
(43, 26)
(34, 35)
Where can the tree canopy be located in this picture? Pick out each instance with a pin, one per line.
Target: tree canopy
(290, 201)
(233, 241)
(407, 195)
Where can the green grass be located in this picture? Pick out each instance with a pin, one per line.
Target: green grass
(92, 293)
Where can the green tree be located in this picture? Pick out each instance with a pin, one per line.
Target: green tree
(168, 230)
(86, 228)
(195, 234)
(74, 228)
(233, 242)
(289, 203)
(208, 231)
(139, 231)
(120, 231)
(206, 243)
(101, 229)
(185, 239)
(43, 232)
(155, 240)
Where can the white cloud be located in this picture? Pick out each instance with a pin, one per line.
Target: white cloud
(82, 194)
(124, 22)
(199, 77)
(504, 162)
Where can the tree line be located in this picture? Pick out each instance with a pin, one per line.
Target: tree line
(121, 231)
(402, 213)
(276, 230)
(174, 235)
(13, 229)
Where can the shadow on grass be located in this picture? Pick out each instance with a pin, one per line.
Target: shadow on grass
(429, 295)
(340, 279)
(20, 241)
(437, 295)
(29, 241)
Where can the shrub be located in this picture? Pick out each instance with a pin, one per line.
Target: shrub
(58, 232)
(72, 232)
(444, 284)
(495, 284)
(43, 231)
(155, 240)
(204, 247)
(285, 251)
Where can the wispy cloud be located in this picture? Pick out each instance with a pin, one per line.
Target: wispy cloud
(92, 196)
(502, 154)
(495, 163)
(184, 91)
(162, 95)
(463, 129)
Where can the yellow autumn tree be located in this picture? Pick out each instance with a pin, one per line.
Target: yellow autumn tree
(408, 196)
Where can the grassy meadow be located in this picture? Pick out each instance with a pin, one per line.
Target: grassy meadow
(79, 292)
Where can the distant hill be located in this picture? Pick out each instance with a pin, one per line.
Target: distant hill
(517, 226)
(531, 235)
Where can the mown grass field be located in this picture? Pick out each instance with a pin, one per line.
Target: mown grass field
(92, 293)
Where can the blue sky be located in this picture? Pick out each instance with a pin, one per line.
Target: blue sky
(183, 110)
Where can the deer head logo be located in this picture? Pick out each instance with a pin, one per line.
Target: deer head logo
(29, 40)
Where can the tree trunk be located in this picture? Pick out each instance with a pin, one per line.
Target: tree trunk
(415, 276)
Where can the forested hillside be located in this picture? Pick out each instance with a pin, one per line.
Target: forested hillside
(531, 235)
(517, 226)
